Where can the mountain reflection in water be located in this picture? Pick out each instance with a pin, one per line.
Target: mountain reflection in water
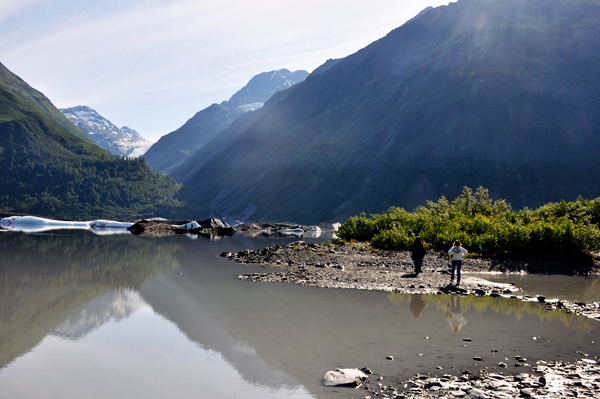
(114, 306)
(45, 279)
(187, 326)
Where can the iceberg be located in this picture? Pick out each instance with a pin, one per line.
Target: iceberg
(34, 224)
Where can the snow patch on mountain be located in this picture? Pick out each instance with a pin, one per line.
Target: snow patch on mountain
(249, 107)
(121, 141)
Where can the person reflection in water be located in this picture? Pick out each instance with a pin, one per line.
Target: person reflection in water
(454, 312)
(417, 303)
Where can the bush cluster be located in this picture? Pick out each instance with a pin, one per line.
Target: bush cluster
(564, 230)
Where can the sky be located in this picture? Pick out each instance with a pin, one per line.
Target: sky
(151, 65)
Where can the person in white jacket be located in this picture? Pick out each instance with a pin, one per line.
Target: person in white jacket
(456, 254)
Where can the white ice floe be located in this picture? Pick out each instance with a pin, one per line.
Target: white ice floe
(34, 224)
(109, 224)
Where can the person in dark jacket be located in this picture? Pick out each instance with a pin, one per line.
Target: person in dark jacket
(417, 254)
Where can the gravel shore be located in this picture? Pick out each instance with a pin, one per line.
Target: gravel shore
(359, 266)
(547, 380)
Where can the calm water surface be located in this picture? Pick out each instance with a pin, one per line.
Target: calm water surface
(86, 316)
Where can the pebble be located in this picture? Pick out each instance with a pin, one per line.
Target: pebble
(557, 380)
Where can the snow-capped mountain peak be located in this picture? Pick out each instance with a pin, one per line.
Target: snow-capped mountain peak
(121, 141)
(262, 86)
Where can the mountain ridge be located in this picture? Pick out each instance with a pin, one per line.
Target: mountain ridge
(500, 94)
(174, 148)
(38, 101)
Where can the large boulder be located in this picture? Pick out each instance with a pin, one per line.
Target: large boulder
(214, 227)
(213, 223)
(344, 377)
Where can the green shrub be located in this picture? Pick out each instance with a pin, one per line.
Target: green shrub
(392, 239)
(564, 230)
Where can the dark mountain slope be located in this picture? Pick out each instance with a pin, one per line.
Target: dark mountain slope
(504, 94)
(48, 171)
(174, 148)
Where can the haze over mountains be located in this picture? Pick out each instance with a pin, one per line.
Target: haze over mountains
(123, 141)
(504, 94)
(175, 147)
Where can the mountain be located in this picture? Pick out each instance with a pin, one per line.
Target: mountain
(118, 141)
(175, 147)
(37, 101)
(262, 86)
(499, 93)
(49, 171)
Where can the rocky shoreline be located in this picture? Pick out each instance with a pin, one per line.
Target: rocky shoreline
(284, 229)
(158, 227)
(547, 380)
(359, 266)
(212, 227)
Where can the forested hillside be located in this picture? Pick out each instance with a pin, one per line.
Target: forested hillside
(47, 170)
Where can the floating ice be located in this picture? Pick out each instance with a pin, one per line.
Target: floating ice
(109, 224)
(34, 224)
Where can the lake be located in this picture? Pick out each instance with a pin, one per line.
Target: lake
(98, 316)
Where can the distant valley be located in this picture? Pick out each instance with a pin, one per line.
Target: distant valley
(174, 148)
